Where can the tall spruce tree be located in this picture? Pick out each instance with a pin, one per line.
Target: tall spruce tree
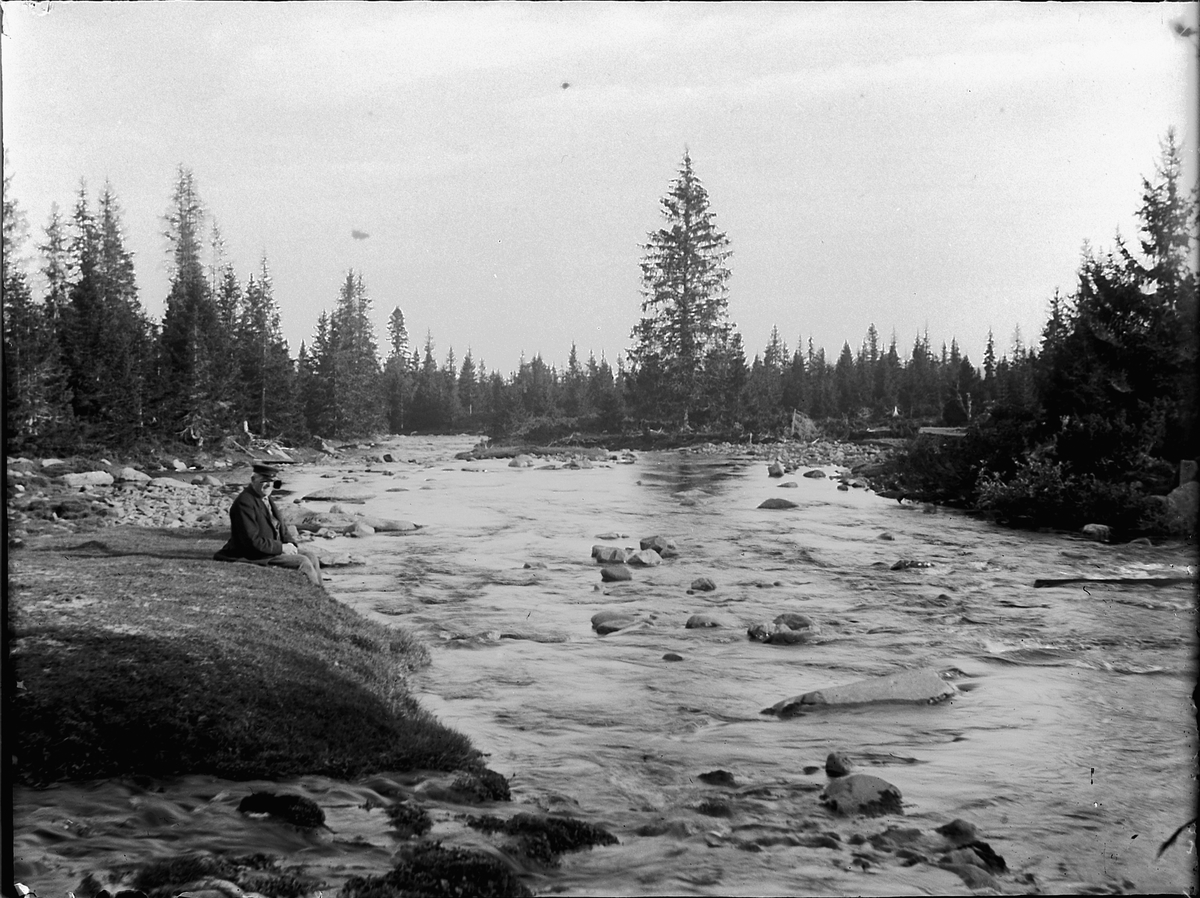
(573, 386)
(33, 398)
(427, 404)
(845, 382)
(357, 384)
(684, 299)
(397, 373)
(468, 389)
(316, 377)
(1119, 369)
(106, 337)
(191, 344)
(267, 388)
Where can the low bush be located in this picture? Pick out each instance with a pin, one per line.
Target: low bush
(1044, 493)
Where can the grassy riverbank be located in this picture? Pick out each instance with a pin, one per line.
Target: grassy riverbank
(133, 653)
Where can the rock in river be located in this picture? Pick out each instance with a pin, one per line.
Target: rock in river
(660, 544)
(922, 686)
(794, 621)
(295, 809)
(645, 557)
(608, 554)
(838, 764)
(705, 621)
(88, 478)
(615, 573)
(778, 503)
(908, 564)
(387, 525)
(786, 629)
(341, 492)
(605, 622)
(861, 793)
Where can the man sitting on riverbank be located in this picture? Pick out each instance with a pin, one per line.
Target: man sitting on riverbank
(257, 533)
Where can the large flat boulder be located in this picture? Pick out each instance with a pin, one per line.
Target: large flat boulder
(921, 686)
(340, 492)
(605, 622)
(132, 475)
(386, 525)
(88, 478)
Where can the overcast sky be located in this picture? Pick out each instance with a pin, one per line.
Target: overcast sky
(916, 166)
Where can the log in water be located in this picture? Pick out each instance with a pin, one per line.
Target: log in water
(1069, 743)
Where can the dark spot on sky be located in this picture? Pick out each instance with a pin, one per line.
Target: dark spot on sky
(359, 235)
(566, 84)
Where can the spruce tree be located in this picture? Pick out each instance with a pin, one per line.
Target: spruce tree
(106, 338)
(468, 388)
(36, 394)
(573, 386)
(397, 373)
(845, 385)
(357, 383)
(316, 381)
(427, 404)
(684, 299)
(191, 345)
(267, 386)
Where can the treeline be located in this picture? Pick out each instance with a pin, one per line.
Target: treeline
(85, 366)
(1108, 409)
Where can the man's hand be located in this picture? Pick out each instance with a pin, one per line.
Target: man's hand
(289, 549)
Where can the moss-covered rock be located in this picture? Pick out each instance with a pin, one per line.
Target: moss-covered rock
(432, 871)
(137, 654)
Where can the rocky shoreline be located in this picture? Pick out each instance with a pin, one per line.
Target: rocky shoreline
(54, 495)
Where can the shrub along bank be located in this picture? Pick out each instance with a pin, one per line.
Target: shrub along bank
(133, 653)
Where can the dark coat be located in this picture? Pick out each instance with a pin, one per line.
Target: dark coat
(254, 534)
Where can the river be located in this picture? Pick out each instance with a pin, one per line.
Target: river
(1071, 746)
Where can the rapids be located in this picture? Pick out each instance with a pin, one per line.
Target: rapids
(1072, 745)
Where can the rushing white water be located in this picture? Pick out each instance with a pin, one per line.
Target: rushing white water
(1072, 746)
